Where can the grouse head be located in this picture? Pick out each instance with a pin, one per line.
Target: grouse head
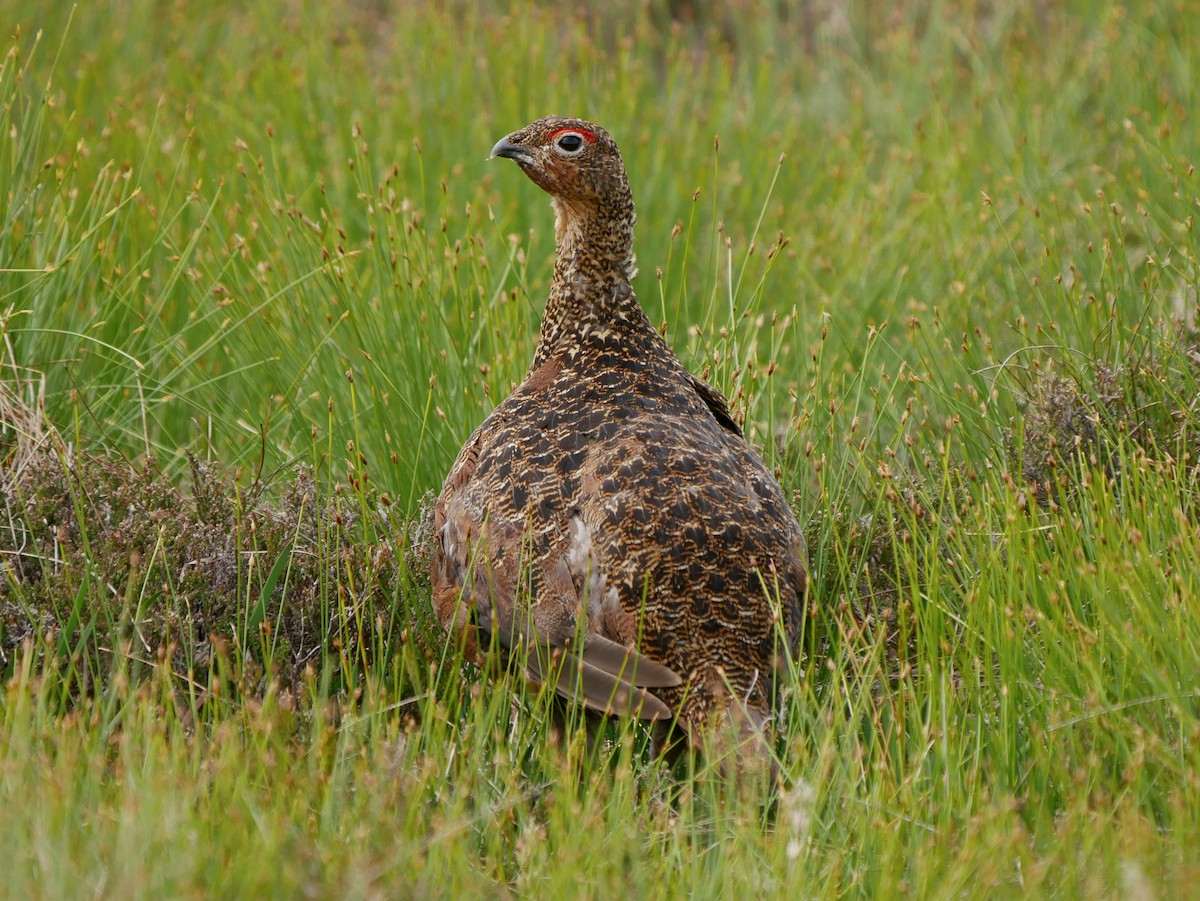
(579, 166)
(568, 158)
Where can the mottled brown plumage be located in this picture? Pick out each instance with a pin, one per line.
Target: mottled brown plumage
(609, 511)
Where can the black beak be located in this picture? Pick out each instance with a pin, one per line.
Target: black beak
(504, 147)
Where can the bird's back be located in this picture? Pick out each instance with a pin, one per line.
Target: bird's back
(610, 451)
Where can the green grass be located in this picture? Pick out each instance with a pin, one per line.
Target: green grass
(258, 283)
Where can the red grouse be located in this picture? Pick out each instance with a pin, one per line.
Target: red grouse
(608, 520)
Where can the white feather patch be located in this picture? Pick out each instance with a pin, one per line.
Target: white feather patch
(581, 560)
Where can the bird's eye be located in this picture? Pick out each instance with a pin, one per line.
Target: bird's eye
(570, 143)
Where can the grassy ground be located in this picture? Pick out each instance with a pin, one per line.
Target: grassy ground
(257, 283)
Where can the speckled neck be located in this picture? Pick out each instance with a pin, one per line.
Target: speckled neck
(595, 245)
(593, 267)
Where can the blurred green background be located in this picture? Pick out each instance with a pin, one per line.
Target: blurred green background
(942, 257)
